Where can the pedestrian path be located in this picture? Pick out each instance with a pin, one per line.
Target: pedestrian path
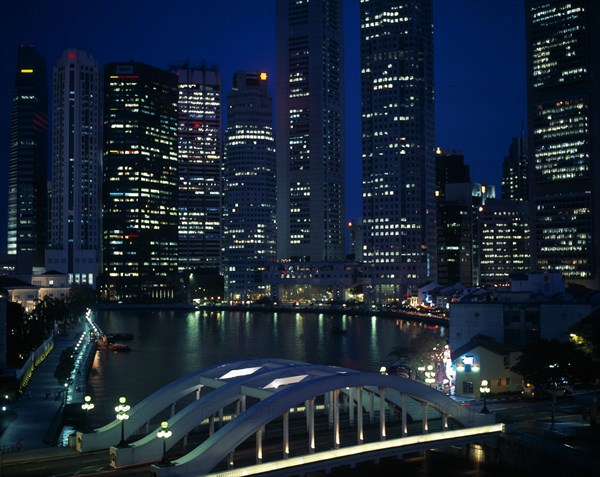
(42, 402)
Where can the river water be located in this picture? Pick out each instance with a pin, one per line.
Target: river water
(170, 344)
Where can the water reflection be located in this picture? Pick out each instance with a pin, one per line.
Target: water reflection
(168, 345)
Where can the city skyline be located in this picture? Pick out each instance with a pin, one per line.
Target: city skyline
(464, 90)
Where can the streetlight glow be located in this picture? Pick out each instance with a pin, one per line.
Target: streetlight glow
(484, 389)
(122, 416)
(164, 433)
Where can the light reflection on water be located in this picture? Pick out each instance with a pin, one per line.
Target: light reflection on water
(171, 344)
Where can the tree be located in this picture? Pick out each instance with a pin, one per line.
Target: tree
(424, 349)
(546, 362)
(81, 297)
(586, 336)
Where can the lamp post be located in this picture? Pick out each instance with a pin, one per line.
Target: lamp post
(484, 389)
(87, 406)
(122, 416)
(164, 434)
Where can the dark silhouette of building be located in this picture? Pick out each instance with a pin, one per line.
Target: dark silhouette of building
(140, 184)
(563, 82)
(515, 183)
(28, 163)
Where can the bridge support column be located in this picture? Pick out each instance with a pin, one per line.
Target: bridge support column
(185, 440)
(172, 409)
(311, 425)
(307, 413)
(238, 407)
(221, 417)
(351, 405)
(230, 460)
(382, 432)
(336, 418)
(147, 427)
(404, 417)
(243, 403)
(328, 401)
(198, 393)
(371, 407)
(425, 421)
(359, 416)
(259, 445)
(286, 434)
(444, 422)
(211, 425)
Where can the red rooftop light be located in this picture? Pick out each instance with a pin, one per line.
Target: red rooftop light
(71, 56)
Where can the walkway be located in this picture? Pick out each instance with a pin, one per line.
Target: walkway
(39, 406)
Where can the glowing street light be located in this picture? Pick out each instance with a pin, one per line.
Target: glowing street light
(484, 389)
(122, 416)
(87, 406)
(430, 375)
(164, 434)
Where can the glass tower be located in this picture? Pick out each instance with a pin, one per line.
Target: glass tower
(563, 68)
(140, 184)
(76, 161)
(199, 167)
(249, 187)
(398, 160)
(310, 138)
(28, 162)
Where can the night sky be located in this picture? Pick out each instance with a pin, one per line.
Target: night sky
(479, 62)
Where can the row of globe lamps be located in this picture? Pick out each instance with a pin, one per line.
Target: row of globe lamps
(122, 415)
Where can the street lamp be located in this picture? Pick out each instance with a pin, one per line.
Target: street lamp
(164, 434)
(430, 375)
(87, 406)
(484, 389)
(122, 416)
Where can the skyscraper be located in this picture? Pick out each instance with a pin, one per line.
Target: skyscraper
(199, 167)
(249, 187)
(310, 137)
(563, 83)
(28, 163)
(140, 184)
(515, 183)
(398, 160)
(76, 161)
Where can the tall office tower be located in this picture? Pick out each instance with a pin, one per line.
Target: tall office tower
(504, 241)
(310, 130)
(74, 241)
(28, 163)
(249, 188)
(199, 167)
(459, 206)
(140, 184)
(398, 160)
(515, 185)
(563, 86)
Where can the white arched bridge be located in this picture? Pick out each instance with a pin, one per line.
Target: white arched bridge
(285, 416)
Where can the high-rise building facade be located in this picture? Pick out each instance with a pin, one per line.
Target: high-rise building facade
(28, 163)
(199, 167)
(504, 238)
(249, 188)
(563, 81)
(140, 184)
(515, 183)
(74, 241)
(310, 130)
(398, 160)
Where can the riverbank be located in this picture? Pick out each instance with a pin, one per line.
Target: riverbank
(329, 309)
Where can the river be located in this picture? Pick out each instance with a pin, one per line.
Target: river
(170, 344)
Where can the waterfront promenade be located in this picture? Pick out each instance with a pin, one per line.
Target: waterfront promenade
(39, 410)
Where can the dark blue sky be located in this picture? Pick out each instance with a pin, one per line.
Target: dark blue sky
(479, 62)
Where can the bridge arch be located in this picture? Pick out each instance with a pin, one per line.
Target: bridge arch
(315, 381)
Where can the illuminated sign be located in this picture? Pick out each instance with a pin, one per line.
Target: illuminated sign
(26, 70)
